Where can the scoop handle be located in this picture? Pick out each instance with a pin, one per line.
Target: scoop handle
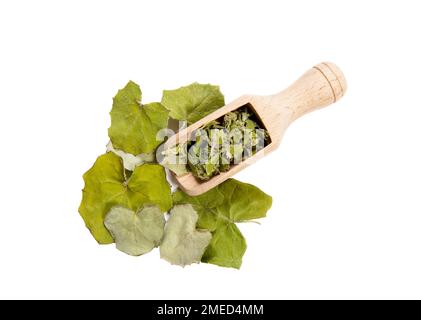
(319, 87)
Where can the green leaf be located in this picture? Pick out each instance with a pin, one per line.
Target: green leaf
(243, 201)
(192, 102)
(134, 126)
(107, 186)
(227, 247)
(136, 233)
(219, 209)
(183, 244)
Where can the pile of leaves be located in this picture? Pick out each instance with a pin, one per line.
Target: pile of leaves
(127, 199)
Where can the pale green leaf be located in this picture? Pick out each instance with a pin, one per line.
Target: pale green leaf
(183, 244)
(131, 161)
(192, 102)
(136, 233)
(106, 186)
(134, 126)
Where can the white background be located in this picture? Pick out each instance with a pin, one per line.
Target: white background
(346, 215)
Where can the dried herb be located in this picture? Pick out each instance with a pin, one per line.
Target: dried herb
(218, 145)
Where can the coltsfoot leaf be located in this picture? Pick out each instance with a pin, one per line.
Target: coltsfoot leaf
(136, 233)
(183, 244)
(134, 126)
(192, 102)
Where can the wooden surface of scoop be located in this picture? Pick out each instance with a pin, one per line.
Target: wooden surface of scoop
(319, 87)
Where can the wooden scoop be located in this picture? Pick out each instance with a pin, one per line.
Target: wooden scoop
(319, 87)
